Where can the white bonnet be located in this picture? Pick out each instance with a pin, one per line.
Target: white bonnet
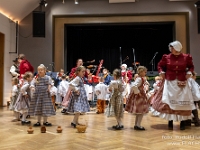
(176, 45)
(124, 65)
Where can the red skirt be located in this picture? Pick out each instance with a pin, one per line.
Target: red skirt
(137, 104)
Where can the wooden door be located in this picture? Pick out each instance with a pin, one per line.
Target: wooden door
(1, 67)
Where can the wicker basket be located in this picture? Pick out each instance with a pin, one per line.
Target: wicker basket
(81, 128)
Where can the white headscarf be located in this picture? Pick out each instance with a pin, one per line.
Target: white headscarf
(124, 65)
(176, 45)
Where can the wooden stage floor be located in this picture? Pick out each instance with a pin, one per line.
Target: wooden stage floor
(99, 134)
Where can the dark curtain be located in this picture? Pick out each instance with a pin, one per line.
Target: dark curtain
(103, 41)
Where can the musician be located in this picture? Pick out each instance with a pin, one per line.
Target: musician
(107, 77)
(127, 78)
(72, 74)
(59, 77)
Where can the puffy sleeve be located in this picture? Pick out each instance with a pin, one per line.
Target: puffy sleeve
(24, 88)
(162, 64)
(73, 85)
(135, 85)
(190, 64)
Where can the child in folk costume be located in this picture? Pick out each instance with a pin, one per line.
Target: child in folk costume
(101, 91)
(78, 103)
(137, 102)
(13, 99)
(23, 100)
(41, 104)
(53, 92)
(115, 107)
(195, 88)
(127, 78)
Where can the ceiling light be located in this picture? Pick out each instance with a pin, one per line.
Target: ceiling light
(63, 1)
(43, 3)
(76, 2)
(197, 4)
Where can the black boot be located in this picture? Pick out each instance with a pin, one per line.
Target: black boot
(188, 122)
(196, 118)
(170, 124)
(182, 125)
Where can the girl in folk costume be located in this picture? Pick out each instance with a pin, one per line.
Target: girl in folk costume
(41, 104)
(115, 107)
(126, 77)
(174, 99)
(13, 99)
(23, 100)
(78, 103)
(137, 102)
(72, 75)
(195, 88)
(101, 91)
(53, 92)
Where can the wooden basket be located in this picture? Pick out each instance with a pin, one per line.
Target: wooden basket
(81, 128)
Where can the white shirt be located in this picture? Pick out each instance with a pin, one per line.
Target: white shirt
(63, 87)
(136, 84)
(194, 88)
(53, 90)
(12, 71)
(74, 84)
(101, 91)
(24, 87)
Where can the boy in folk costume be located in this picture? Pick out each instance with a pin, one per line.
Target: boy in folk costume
(137, 102)
(126, 77)
(63, 88)
(115, 107)
(106, 76)
(41, 104)
(23, 100)
(101, 91)
(13, 99)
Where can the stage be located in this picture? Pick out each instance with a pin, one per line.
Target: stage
(99, 134)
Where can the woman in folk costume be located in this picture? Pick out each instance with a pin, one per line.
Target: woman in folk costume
(101, 91)
(115, 107)
(23, 100)
(72, 75)
(174, 99)
(195, 88)
(137, 102)
(41, 104)
(127, 78)
(78, 103)
(13, 99)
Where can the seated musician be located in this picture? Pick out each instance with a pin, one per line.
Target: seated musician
(59, 77)
(107, 77)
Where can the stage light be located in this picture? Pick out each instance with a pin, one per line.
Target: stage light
(43, 3)
(63, 1)
(197, 4)
(76, 2)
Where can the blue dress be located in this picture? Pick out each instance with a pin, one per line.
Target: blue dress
(78, 103)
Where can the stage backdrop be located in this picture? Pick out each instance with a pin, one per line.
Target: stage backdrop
(102, 41)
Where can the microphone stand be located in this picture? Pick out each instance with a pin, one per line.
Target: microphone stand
(152, 62)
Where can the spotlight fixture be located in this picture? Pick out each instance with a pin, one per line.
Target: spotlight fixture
(63, 1)
(43, 3)
(76, 2)
(197, 4)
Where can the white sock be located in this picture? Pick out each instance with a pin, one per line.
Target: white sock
(76, 116)
(45, 119)
(139, 120)
(136, 120)
(24, 116)
(39, 119)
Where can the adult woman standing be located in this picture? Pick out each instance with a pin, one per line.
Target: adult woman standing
(174, 99)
